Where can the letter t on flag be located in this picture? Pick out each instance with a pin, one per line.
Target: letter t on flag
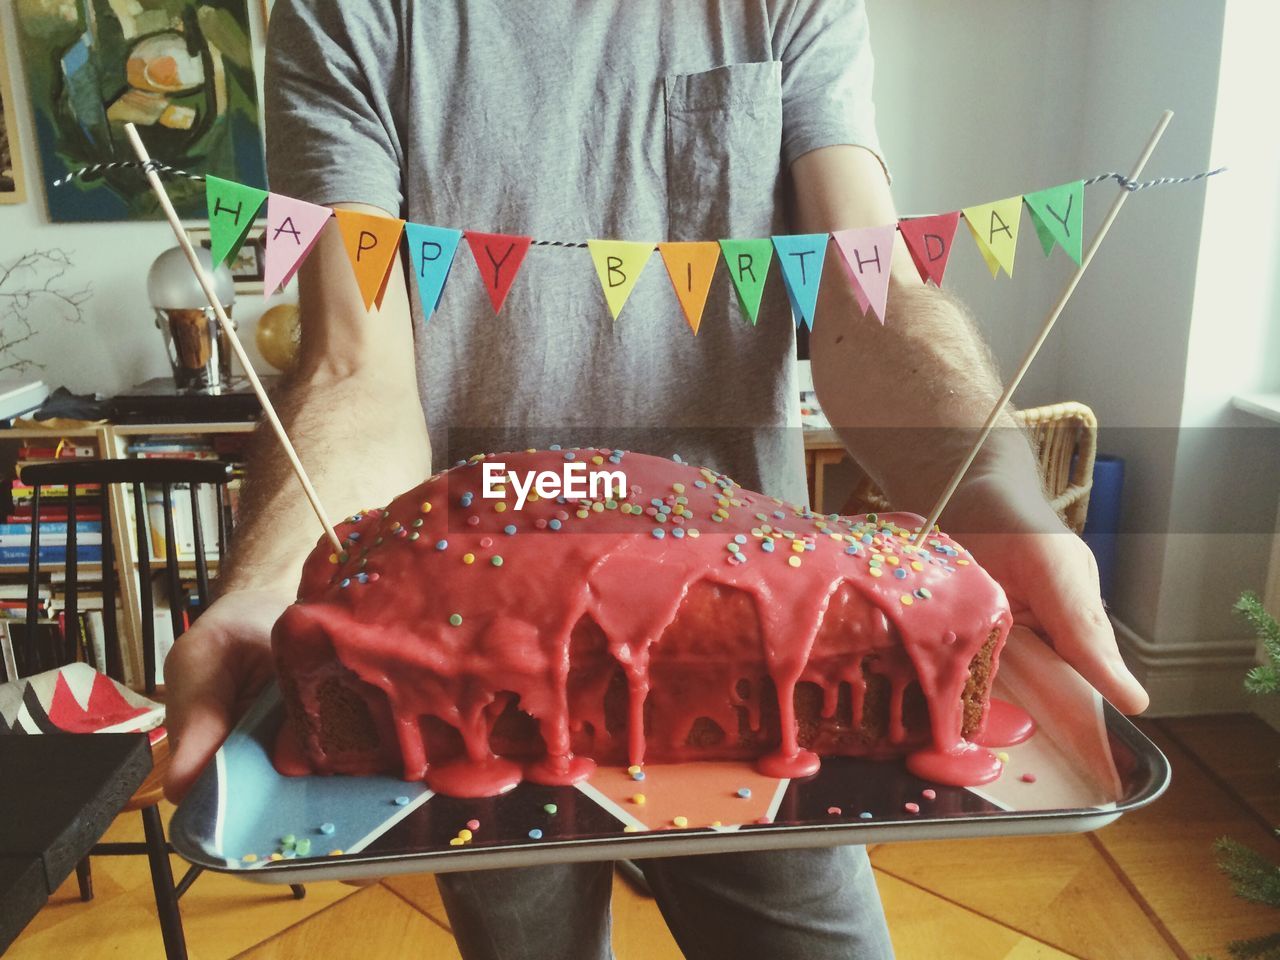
(800, 257)
(232, 207)
(431, 251)
(293, 226)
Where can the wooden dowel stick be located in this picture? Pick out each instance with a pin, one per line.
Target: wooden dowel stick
(206, 284)
(1052, 318)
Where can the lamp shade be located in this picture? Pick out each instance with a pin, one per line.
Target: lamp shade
(172, 284)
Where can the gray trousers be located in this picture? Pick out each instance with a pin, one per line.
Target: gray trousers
(819, 904)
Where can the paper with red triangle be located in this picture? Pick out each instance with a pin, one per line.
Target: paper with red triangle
(867, 255)
(995, 229)
(232, 208)
(928, 241)
(748, 263)
(618, 264)
(499, 257)
(1057, 213)
(293, 227)
(691, 267)
(371, 241)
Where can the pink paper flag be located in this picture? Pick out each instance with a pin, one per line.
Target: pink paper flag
(293, 226)
(866, 254)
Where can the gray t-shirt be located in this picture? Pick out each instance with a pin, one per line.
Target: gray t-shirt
(561, 120)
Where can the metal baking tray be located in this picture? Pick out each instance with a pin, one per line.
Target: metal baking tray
(1085, 766)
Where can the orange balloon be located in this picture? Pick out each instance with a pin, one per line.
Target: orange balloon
(278, 336)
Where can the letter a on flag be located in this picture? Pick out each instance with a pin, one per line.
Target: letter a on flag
(800, 257)
(1057, 213)
(371, 242)
(691, 267)
(498, 255)
(748, 263)
(431, 251)
(929, 243)
(867, 253)
(619, 264)
(232, 207)
(995, 229)
(293, 226)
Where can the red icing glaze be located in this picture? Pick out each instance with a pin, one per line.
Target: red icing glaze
(694, 628)
(1005, 725)
(964, 764)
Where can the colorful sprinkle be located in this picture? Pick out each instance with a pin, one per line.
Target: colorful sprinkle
(793, 561)
(929, 794)
(401, 801)
(864, 815)
(442, 544)
(680, 821)
(911, 807)
(535, 834)
(456, 842)
(658, 533)
(833, 811)
(633, 769)
(473, 824)
(455, 619)
(468, 558)
(303, 847)
(509, 529)
(249, 858)
(638, 799)
(744, 793)
(630, 828)
(550, 808)
(464, 834)
(907, 599)
(327, 828)
(553, 524)
(1002, 757)
(335, 853)
(1028, 778)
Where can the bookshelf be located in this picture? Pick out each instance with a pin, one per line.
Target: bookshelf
(116, 441)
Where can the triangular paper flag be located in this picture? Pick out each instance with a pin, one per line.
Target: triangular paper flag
(431, 251)
(1057, 213)
(748, 263)
(995, 228)
(232, 207)
(691, 267)
(619, 264)
(498, 256)
(293, 226)
(371, 241)
(800, 256)
(929, 243)
(867, 253)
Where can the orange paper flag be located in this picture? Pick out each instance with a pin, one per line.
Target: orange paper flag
(371, 241)
(691, 267)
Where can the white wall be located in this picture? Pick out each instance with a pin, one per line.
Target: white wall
(118, 344)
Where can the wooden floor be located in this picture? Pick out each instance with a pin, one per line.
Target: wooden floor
(1143, 887)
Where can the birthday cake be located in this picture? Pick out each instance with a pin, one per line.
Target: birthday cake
(485, 628)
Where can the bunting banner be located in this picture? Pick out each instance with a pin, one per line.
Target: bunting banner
(499, 256)
(928, 241)
(867, 253)
(232, 209)
(748, 263)
(431, 252)
(371, 242)
(995, 228)
(293, 227)
(618, 265)
(1057, 213)
(691, 267)
(800, 257)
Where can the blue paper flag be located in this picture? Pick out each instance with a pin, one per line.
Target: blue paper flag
(800, 257)
(431, 251)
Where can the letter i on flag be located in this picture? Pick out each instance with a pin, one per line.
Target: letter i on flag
(691, 267)
(1057, 213)
(800, 257)
(929, 243)
(293, 226)
(995, 229)
(371, 241)
(431, 251)
(618, 265)
(498, 255)
(748, 263)
(232, 207)
(867, 253)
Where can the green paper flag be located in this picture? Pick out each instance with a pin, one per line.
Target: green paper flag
(1057, 213)
(748, 263)
(232, 207)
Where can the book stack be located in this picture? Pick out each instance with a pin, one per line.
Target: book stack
(186, 448)
(15, 532)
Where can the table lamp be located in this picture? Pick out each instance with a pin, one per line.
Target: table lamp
(199, 351)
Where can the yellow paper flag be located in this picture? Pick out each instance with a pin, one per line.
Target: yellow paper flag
(995, 228)
(691, 267)
(371, 242)
(618, 265)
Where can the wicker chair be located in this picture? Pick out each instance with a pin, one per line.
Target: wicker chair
(1065, 438)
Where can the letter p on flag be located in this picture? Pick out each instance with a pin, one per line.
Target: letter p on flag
(371, 242)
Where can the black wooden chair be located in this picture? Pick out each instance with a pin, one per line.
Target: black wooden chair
(135, 476)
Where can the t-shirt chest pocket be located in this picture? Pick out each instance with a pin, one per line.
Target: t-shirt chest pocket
(724, 147)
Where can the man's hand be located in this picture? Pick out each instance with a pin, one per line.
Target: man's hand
(212, 675)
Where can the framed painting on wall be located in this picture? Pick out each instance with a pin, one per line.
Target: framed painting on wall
(180, 70)
(12, 188)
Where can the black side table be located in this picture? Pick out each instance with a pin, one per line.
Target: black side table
(58, 795)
